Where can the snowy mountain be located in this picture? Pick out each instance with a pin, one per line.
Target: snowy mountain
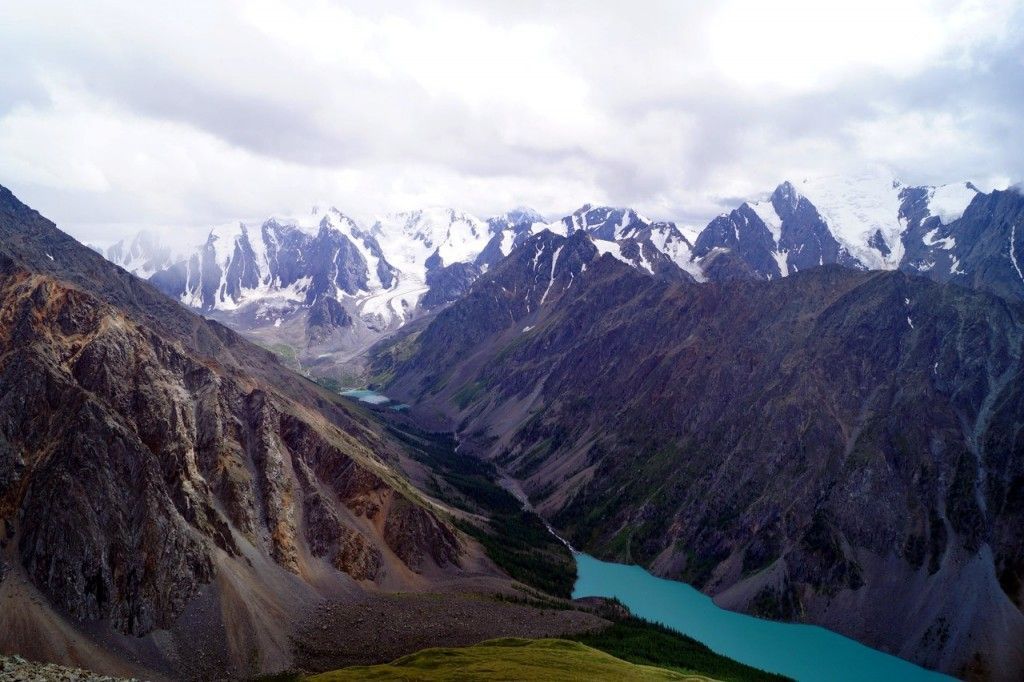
(871, 221)
(143, 254)
(980, 247)
(324, 285)
(776, 236)
(317, 281)
(509, 230)
(283, 260)
(630, 237)
(419, 241)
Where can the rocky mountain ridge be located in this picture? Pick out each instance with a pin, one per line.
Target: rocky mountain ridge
(952, 233)
(325, 287)
(169, 493)
(835, 446)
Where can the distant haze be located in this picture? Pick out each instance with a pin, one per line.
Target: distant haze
(120, 116)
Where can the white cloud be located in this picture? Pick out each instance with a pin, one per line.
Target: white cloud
(808, 44)
(115, 114)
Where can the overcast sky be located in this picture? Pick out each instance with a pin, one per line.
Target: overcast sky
(116, 116)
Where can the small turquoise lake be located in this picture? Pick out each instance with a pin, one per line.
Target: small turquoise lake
(804, 652)
(365, 395)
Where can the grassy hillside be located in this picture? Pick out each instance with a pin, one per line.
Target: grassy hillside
(509, 659)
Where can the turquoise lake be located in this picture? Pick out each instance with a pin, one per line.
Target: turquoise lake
(803, 652)
(365, 395)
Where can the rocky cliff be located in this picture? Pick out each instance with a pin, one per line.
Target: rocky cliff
(167, 488)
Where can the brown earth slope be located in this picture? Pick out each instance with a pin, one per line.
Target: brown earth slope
(173, 502)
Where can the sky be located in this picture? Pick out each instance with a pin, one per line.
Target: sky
(120, 116)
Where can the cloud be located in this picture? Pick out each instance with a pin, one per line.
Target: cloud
(114, 115)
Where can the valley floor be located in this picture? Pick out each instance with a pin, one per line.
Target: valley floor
(384, 627)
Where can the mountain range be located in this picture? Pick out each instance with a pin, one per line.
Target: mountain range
(838, 446)
(176, 504)
(325, 287)
(810, 409)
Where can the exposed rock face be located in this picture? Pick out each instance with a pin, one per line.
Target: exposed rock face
(643, 243)
(448, 283)
(642, 254)
(725, 265)
(509, 231)
(244, 260)
(605, 222)
(826, 447)
(790, 237)
(326, 315)
(953, 233)
(329, 288)
(743, 233)
(100, 528)
(805, 237)
(309, 275)
(322, 286)
(143, 449)
(983, 249)
(265, 279)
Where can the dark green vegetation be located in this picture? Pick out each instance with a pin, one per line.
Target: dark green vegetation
(514, 538)
(330, 383)
(639, 641)
(339, 382)
(392, 352)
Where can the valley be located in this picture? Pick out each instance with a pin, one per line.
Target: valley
(176, 504)
(785, 411)
(480, 341)
(514, 411)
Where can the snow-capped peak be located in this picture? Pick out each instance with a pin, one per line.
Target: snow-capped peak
(521, 215)
(412, 238)
(765, 210)
(223, 239)
(858, 207)
(142, 254)
(948, 202)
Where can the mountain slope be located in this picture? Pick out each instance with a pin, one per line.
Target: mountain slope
(827, 447)
(981, 247)
(169, 494)
(321, 289)
(621, 230)
(290, 279)
(776, 237)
